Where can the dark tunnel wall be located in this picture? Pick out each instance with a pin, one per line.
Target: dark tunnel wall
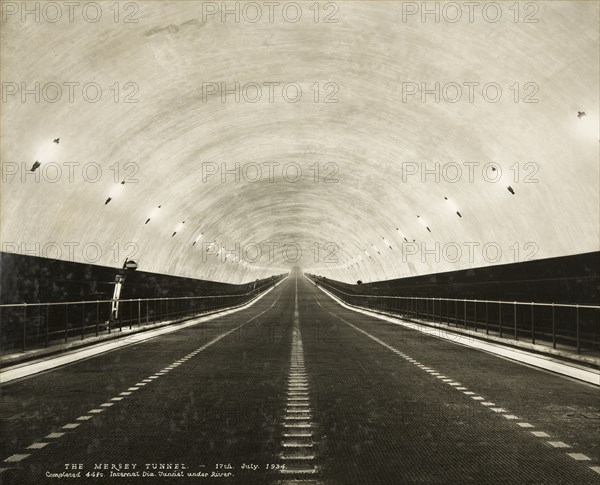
(31, 279)
(371, 134)
(569, 279)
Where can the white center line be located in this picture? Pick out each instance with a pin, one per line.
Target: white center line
(297, 444)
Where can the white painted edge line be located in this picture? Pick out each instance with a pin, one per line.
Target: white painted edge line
(590, 376)
(93, 350)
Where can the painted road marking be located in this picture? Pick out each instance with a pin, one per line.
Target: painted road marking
(37, 446)
(15, 458)
(297, 457)
(502, 411)
(54, 435)
(299, 471)
(145, 381)
(558, 444)
(297, 419)
(579, 457)
(525, 425)
(94, 350)
(296, 444)
(521, 356)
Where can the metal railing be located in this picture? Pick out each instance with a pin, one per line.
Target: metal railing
(27, 326)
(573, 326)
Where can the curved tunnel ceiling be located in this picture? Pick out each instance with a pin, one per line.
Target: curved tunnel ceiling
(370, 216)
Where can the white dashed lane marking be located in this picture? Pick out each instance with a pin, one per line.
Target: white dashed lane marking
(297, 444)
(558, 444)
(579, 456)
(131, 390)
(15, 458)
(455, 385)
(36, 446)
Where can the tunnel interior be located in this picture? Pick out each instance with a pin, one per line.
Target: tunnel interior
(326, 243)
(371, 146)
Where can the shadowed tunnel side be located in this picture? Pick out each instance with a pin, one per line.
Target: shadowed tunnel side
(331, 242)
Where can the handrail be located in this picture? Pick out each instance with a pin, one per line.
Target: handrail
(34, 325)
(539, 324)
(7, 305)
(565, 305)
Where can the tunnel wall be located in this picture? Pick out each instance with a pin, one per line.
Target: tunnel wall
(568, 279)
(31, 279)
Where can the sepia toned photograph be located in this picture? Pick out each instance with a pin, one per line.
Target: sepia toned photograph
(300, 242)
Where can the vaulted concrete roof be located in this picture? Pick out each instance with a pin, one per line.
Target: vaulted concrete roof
(367, 206)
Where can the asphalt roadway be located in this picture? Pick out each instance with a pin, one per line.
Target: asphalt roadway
(298, 389)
